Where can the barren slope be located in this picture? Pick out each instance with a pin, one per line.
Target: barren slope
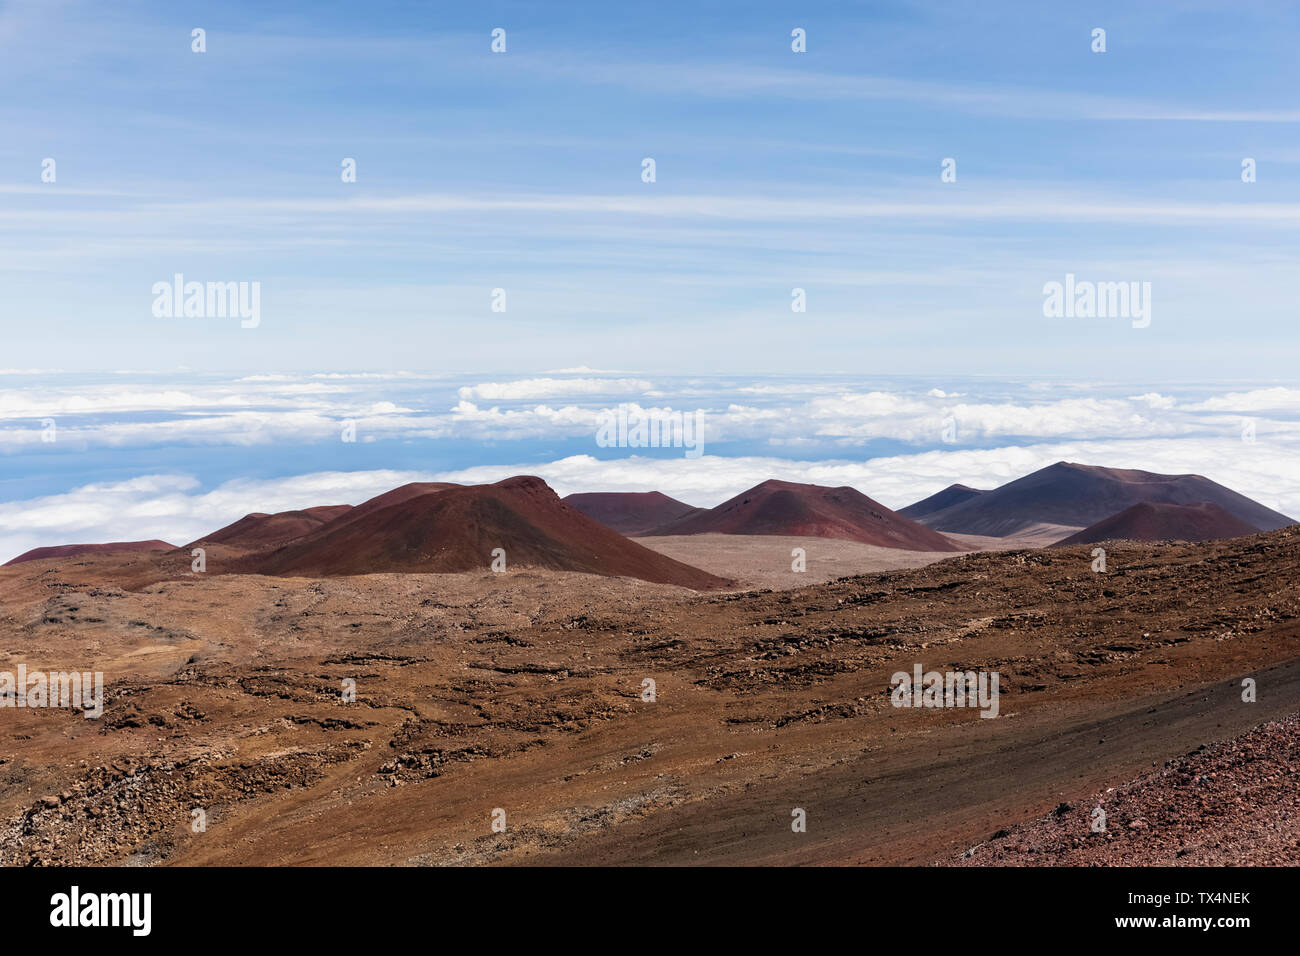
(1157, 522)
(1236, 803)
(459, 528)
(952, 495)
(258, 530)
(75, 550)
(525, 690)
(631, 513)
(1081, 495)
(788, 508)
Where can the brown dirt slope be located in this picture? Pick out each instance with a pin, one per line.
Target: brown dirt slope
(1067, 493)
(952, 495)
(258, 530)
(633, 512)
(523, 690)
(457, 529)
(75, 550)
(1158, 522)
(789, 508)
(397, 496)
(1235, 803)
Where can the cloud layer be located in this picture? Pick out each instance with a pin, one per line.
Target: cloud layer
(262, 409)
(175, 456)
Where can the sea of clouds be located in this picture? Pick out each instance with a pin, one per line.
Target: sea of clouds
(141, 455)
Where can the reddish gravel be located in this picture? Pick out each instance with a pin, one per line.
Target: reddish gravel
(522, 690)
(1234, 804)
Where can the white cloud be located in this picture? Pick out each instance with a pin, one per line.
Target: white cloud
(1256, 400)
(1173, 430)
(584, 370)
(172, 507)
(247, 412)
(537, 388)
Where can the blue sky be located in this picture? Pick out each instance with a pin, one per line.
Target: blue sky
(775, 170)
(522, 171)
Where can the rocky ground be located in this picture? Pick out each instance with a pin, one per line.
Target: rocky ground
(526, 692)
(1236, 803)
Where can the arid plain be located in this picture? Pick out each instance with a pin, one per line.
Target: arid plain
(524, 691)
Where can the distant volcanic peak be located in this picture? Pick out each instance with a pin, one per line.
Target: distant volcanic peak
(1153, 521)
(780, 483)
(260, 530)
(655, 498)
(952, 495)
(1076, 495)
(76, 550)
(526, 485)
(776, 507)
(1120, 474)
(406, 492)
(457, 528)
(777, 484)
(802, 492)
(327, 512)
(401, 493)
(630, 512)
